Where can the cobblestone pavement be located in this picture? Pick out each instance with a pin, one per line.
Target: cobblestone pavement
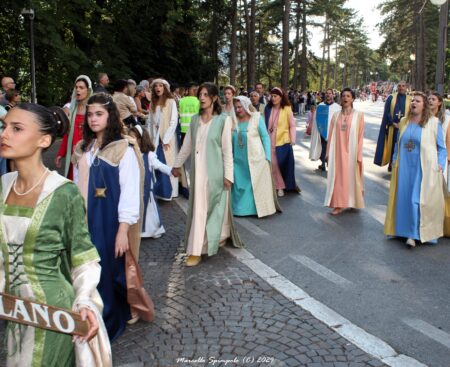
(221, 314)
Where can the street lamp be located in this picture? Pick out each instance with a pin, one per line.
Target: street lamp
(30, 14)
(412, 57)
(438, 2)
(272, 39)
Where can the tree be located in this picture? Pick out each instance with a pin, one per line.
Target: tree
(285, 52)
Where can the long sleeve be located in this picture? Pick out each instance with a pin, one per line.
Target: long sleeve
(129, 178)
(330, 133)
(264, 138)
(155, 163)
(447, 143)
(63, 147)
(227, 150)
(442, 151)
(394, 156)
(361, 139)
(172, 124)
(185, 150)
(387, 111)
(292, 128)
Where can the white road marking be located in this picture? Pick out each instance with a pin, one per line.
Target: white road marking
(322, 270)
(377, 212)
(429, 330)
(249, 226)
(365, 341)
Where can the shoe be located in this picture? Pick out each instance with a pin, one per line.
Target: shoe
(280, 193)
(390, 168)
(193, 260)
(134, 319)
(322, 167)
(336, 211)
(410, 243)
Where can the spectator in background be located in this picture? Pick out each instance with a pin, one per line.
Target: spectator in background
(7, 84)
(12, 96)
(127, 108)
(102, 83)
(256, 102)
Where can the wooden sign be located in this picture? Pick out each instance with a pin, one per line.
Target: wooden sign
(42, 316)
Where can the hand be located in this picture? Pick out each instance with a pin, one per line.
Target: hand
(176, 172)
(166, 147)
(58, 161)
(395, 125)
(121, 243)
(227, 184)
(87, 314)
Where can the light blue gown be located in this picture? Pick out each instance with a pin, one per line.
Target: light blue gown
(407, 211)
(243, 202)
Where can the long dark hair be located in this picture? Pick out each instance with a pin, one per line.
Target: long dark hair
(114, 126)
(284, 98)
(213, 91)
(144, 141)
(441, 111)
(164, 97)
(52, 121)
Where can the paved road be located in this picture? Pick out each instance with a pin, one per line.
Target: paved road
(397, 294)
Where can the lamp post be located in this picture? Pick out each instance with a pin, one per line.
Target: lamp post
(29, 13)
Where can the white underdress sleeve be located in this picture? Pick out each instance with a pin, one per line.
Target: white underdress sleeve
(129, 178)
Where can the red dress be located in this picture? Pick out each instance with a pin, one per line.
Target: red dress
(77, 136)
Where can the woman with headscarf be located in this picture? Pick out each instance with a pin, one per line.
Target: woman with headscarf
(282, 131)
(252, 192)
(162, 123)
(81, 93)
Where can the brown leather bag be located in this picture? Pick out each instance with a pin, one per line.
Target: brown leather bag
(138, 298)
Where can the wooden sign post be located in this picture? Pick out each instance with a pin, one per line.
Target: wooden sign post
(42, 316)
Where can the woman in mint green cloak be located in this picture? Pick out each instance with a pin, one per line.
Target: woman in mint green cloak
(46, 252)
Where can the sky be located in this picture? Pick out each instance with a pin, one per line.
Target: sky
(371, 16)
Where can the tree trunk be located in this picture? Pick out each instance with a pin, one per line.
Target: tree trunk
(327, 80)
(285, 60)
(297, 43)
(233, 46)
(260, 43)
(241, 52)
(304, 59)
(325, 30)
(214, 51)
(251, 47)
(442, 42)
(336, 62)
(420, 70)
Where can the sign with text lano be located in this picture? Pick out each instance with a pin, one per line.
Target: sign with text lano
(42, 316)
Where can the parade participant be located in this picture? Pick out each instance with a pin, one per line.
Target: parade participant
(345, 180)
(259, 107)
(151, 220)
(416, 198)
(125, 105)
(47, 253)
(310, 116)
(81, 93)
(252, 192)
(319, 132)
(108, 171)
(259, 87)
(189, 106)
(437, 109)
(162, 124)
(282, 131)
(229, 92)
(394, 109)
(208, 141)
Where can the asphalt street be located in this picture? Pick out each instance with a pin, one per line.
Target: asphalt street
(346, 262)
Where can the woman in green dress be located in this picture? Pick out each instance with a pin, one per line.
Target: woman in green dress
(252, 192)
(46, 252)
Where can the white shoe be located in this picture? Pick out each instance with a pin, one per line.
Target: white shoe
(280, 193)
(410, 243)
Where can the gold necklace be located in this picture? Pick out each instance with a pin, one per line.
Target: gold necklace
(344, 124)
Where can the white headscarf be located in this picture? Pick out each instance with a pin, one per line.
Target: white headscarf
(246, 105)
(160, 81)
